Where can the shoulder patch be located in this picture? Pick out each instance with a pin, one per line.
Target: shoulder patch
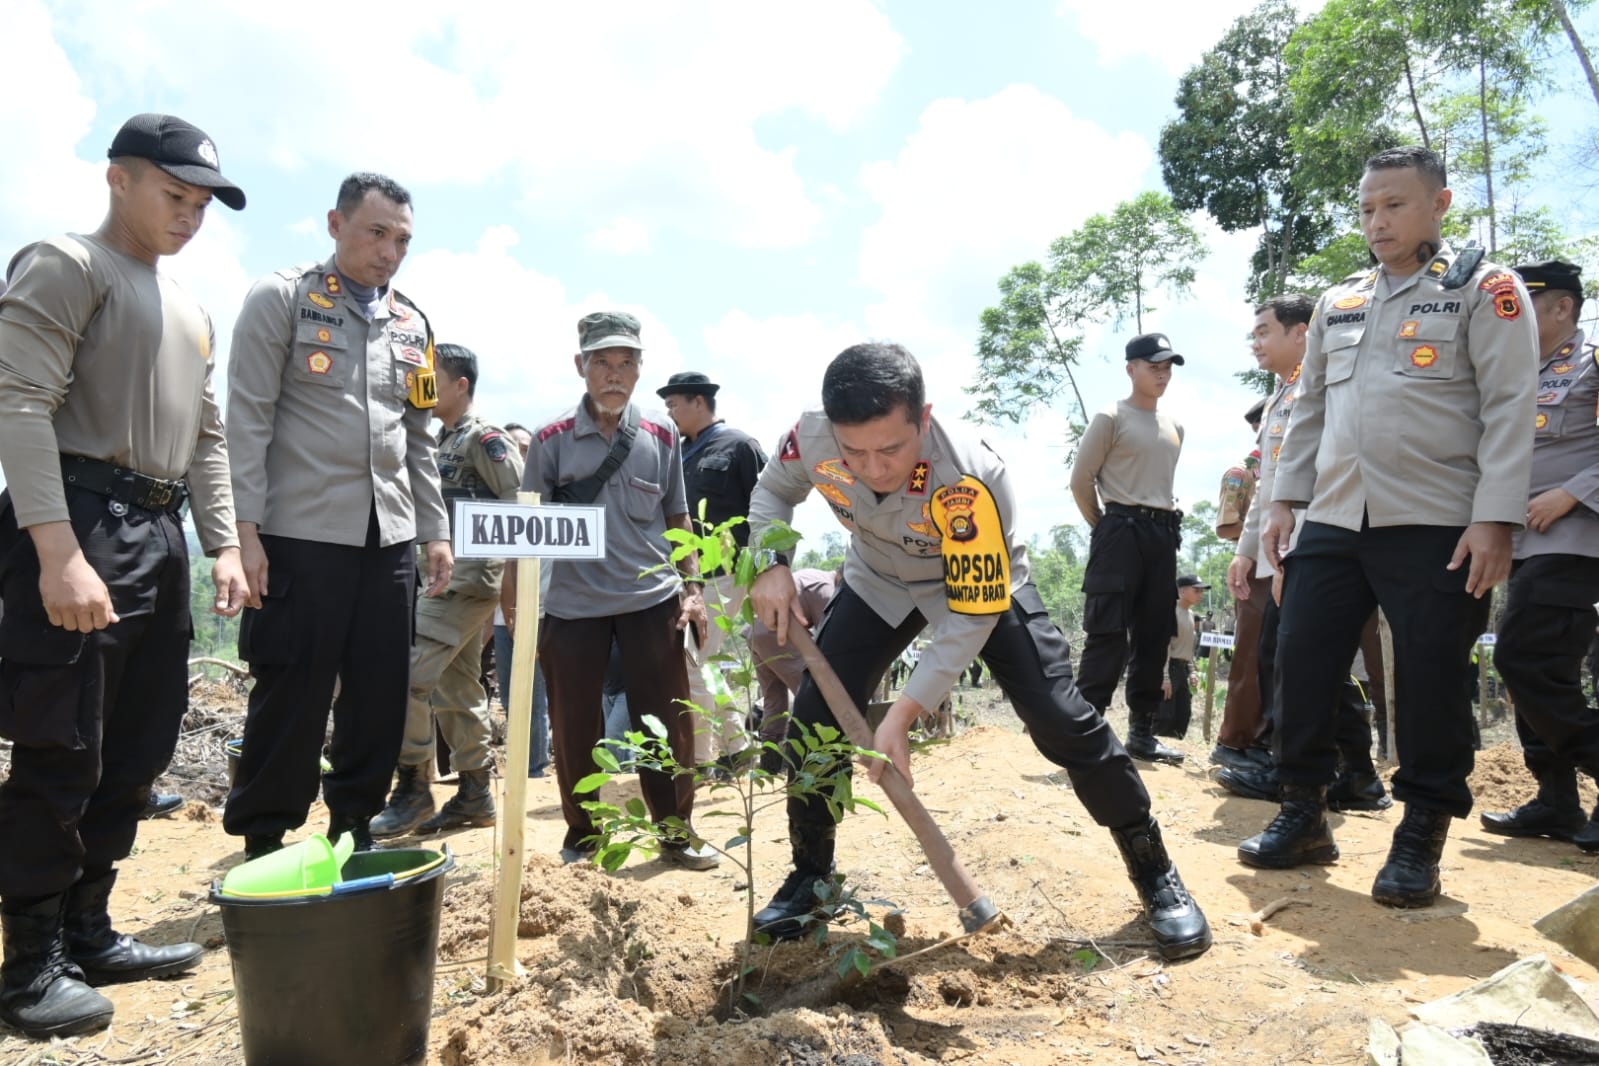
(493, 445)
(556, 428)
(790, 452)
(1498, 282)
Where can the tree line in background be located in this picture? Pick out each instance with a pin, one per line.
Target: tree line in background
(1272, 128)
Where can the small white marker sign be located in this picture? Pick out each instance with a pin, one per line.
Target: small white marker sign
(1215, 640)
(494, 529)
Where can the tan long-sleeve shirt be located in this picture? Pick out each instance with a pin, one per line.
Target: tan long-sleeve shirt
(102, 355)
(1128, 455)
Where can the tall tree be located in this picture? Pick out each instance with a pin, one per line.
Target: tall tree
(1229, 150)
(1104, 271)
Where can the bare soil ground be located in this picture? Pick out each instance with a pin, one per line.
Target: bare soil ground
(630, 968)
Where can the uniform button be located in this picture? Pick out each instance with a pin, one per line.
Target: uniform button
(118, 508)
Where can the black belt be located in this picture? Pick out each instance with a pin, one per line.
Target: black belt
(124, 486)
(1131, 510)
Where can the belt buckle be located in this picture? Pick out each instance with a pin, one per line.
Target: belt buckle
(159, 495)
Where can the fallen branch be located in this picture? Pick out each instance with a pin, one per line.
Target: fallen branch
(235, 668)
(1257, 921)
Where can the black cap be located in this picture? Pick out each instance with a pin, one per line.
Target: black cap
(1256, 412)
(687, 383)
(1554, 274)
(1153, 347)
(182, 150)
(1190, 581)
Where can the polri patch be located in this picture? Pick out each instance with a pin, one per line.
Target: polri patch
(321, 301)
(833, 493)
(318, 362)
(976, 555)
(1541, 421)
(1423, 355)
(789, 452)
(1507, 305)
(1408, 328)
(1349, 303)
(493, 446)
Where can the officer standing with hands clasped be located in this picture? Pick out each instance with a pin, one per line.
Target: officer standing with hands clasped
(1410, 447)
(930, 516)
(1549, 617)
(477, 461)
(1127, 459)
(330, 389)
(108, 426)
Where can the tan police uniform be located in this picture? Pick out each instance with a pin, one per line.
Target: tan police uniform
(328, 405)
(105, 404)
(476, 461)
(1413, 419)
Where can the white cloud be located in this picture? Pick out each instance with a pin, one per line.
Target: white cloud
(1175, 33)
(638, 109)
(525, 358)
(621, 236)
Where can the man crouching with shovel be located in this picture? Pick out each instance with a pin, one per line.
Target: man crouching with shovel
(929, 515)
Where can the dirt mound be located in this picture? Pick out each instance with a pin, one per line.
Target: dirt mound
(1501, 780)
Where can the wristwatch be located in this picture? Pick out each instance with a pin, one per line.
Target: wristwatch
(766, 558)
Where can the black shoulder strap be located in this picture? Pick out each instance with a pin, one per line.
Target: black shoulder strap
(586, 490)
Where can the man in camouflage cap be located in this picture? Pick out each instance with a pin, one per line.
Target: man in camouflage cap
(606, 452)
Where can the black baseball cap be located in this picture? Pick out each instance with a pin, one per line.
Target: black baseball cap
(179, 148)
(1191, 581)
(1256, 412)
(1153, 347)
(1553, 274)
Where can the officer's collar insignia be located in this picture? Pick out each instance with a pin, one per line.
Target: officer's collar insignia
(1562, 368)
(919, 475)
(1566, 349)
(1438, 267)
(1295, 375)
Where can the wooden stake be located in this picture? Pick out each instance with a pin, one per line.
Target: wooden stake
(503, 964)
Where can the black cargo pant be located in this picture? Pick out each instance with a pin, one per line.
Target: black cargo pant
(1174, 715)
(1543, 635)
(333, 612)
(93, 717)
(1333, 580)
(1129, 615)
(1029, 659)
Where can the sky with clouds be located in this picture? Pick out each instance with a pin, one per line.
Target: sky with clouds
(761, 184)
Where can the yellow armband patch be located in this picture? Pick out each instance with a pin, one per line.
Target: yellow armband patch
(424, 386)
(976, 557)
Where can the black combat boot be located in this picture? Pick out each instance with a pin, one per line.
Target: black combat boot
(1587, 838)
(1298, 835)
(1179, 925)
(1410, 876)
(785, 917)
(161, 803)
(411, 802)
(1358, 792)
(1251, 784)
(42, 993)
(1141, 742)
(1555, 812)
(259, 844)
(107, 956)
(1357, 786)
(471, 806)
(359, 828)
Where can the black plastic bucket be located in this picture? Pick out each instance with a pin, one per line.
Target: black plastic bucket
(345, 978)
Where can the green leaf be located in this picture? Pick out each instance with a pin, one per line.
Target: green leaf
(605, 760)
(612, 856)
(590, 783)
(655, 726)
(1087, 958)
(636, 808)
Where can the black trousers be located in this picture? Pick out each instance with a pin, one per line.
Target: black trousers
(1029, 659)
(1129, 612)
(333, 613)
(1351, 722)
(1333, 580)
(574, 654)
(1543, 635)
(1172, 719)
(93, 717)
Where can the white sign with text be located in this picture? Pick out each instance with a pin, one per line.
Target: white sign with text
(495, 529)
